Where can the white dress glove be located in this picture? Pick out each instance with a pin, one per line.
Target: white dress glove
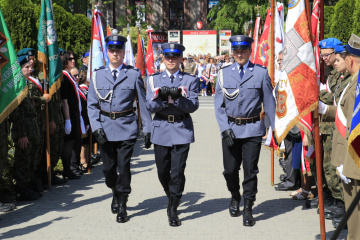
(322, 86)
(67, 126)
(322, 107)
(343, 177)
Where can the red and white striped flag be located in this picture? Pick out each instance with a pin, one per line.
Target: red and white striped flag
(254, 46)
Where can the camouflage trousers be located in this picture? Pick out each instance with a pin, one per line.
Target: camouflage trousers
(56, 143)
(332, 179)
(25, 162)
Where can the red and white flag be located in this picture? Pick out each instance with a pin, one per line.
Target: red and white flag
(254, 45)
(149, 59)
(298, 75)
(315, 33)
(263, 49)
(279, 38)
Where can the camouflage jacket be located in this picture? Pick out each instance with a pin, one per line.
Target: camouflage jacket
(24, 120)
(337, 83)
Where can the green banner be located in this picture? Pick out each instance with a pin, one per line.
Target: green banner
(48, 48)
(13, 88)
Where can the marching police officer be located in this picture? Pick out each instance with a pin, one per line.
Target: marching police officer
(114, 123)
(172, 96)
(241, 89)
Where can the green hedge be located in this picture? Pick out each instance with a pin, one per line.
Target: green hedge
(328, 18)
(342, 21)
(22, 19)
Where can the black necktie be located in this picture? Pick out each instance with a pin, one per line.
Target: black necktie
(172, 78)
(114, 74)
(241, 72)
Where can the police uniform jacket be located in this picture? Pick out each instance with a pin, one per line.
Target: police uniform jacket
(339, 153)
(166, 133)
(254, 89)
(117, 96)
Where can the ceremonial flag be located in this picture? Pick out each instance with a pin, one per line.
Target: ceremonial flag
(13, 88)
(354, 136)
(140, 64)
(108, 29)
(298, 73)
(48, 48)
(98, 53)
(254, 45)
(315, 33)
(129, 55)
(262, 55)
(149, 55)
(279, 38)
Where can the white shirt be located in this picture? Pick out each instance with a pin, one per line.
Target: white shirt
(175, 74)
(244, 67)
(118, 69)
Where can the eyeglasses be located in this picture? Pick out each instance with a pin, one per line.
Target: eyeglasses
(76, 75)
(326, 55)
(70, 59)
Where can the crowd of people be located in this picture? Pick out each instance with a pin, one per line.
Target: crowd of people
(79, 104)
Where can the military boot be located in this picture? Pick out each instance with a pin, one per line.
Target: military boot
(234, 204)
(115, 201)
(122, 216)
(336, 221)
(337, 210)
(248, 219)
(174, 220)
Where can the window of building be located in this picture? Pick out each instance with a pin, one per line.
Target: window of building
(176, 8)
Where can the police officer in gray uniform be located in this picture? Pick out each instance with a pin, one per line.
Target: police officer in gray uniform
(172, 95)
(241, 89)
(113, 121)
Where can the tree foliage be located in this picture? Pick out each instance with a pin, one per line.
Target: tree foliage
(133, 36)
(341, 27)
(22, 18)
(328, 19)
(356, 19)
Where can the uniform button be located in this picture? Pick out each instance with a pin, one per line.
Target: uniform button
(114, 96)
(114, 105)
(240, 95)
(241, 86)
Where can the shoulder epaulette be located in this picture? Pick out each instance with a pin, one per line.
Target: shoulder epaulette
(259, 65)
(222, 67)
(190, 74)
(157, 73)
(102, 67)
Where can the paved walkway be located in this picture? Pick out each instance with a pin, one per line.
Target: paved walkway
(81, 208)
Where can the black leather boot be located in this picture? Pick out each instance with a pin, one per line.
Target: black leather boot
(248, 219)
(174, 220)
(115, 201)
(122, 214)
(234, 204)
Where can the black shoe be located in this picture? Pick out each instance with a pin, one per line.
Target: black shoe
(312, 203)
(122, 216)
(248, 219)
(77, 172)
(57, 181)
(70, 175)
(27, 195)
(6, 207)
(283, 177)
(234, 208)
(174, 220)
(336, 210)
(281, 187)
(336, 221)
(115, 202)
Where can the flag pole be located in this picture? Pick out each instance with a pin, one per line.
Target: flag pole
(90, 130)
(272, 72)
(48, 163)
(315, 116)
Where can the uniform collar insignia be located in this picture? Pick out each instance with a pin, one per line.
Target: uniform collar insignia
(233, 68)
(180, 76)
(164, 75)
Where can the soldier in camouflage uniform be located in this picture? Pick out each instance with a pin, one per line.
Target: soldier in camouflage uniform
(25, 132)
(330, 95)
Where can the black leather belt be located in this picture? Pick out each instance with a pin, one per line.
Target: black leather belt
(240, 121)
(115, 115)
(172, 118)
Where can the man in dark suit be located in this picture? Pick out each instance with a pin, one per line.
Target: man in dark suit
(241, 89)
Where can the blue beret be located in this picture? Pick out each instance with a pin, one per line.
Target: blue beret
(62, 51)
(353, 45)
(26, 51)
(340, 49)
(23, 59)
(173, 49)
(86, 54)
(330, 43)
(115, 42)
(241, 42)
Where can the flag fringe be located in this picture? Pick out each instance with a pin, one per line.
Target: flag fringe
(354, 134)
(14, 104)
(311, 108)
